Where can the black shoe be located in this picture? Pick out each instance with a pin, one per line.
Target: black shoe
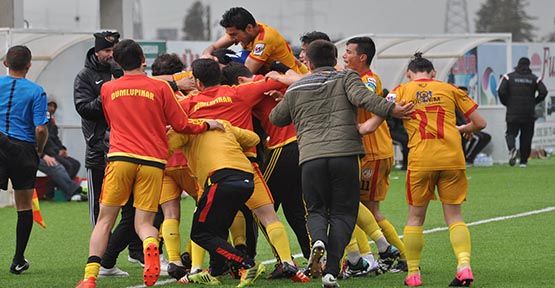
(177, 272)
(18, 268)
(186, 260)
(400, 266)
(388, 257)
(512, 157)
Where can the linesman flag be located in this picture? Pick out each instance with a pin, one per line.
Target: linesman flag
(37, 217)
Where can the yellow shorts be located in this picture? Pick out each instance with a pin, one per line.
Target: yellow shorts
(452, 186)
(121, 178)
(374, 179)
(261, 195)
(177, 180)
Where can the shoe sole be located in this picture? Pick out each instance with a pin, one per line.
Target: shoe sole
(151, 270)
(461, 283)
(315, 268)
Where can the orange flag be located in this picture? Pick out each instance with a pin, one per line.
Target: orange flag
(37, 217)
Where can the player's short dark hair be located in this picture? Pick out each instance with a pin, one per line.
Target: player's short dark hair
(167, 64)
(420, 64)
(207, 71)
(128, 54)
(365, 45)
(322, 53)
(232, 71)
(18, 57)
(314, 35)
(237, 17)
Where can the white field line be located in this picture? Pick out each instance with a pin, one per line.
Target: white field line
(433, 230)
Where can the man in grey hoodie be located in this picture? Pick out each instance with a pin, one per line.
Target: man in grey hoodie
(322, 107)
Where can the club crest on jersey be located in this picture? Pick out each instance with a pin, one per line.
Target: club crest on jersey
(366, 174)
(391, 97)
(258, 49)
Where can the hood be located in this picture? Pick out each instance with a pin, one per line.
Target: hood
(91, 62)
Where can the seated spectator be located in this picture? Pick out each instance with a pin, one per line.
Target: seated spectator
(57, 165)
(475, 143)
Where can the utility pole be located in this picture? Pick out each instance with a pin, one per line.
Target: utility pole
(456, 17)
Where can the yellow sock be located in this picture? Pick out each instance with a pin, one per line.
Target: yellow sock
(460, 240)
(91, 270)
(392, 237)
(149, 240)
(367, 222)
(197, 256)
(362, 241)
(278, 237)
(172, 239)
(238, 230)
(414, 241)
(188, 247)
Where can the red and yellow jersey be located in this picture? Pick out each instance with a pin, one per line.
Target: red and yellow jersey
(215, 150)
(377, 145)
(231, 103)
(434, 141)
(270, 46)
(278, 136)
(138, 109)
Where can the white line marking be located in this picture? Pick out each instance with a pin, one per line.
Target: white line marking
(433, 230)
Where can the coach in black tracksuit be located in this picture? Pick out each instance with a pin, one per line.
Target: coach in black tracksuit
(517, 91)
(88, 82)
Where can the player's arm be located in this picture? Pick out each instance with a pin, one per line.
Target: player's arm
(224, 42)
(476, 123)
(254, 92)
(370, 125)
(360, 96)
(253, 64)
(40, 120)
(466, 105)
(288, 78)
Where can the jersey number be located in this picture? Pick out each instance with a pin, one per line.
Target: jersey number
(440, 122)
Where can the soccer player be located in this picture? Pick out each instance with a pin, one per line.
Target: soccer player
(219, 162)
(137, 109)
(308, 38)
(282, 171)
(234, 104)
(23, 134)
(432, 129)
(378, 160)
(265, 43)
(322, 108)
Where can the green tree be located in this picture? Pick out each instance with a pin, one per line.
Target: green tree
(196, 25)
(507, 16)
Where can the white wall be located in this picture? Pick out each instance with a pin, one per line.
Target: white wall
(497, 148)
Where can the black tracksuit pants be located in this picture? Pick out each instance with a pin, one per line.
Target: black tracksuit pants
(331, 192)
(224, 194)
(283, 176)
(526, 131)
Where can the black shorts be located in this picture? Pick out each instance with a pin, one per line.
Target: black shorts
(19, 162)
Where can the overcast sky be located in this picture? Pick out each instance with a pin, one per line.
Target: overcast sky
(338, 18)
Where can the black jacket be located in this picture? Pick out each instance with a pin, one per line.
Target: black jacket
(53, 144)
(517, 91)
(86, 96)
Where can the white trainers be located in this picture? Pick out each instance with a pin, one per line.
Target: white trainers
(328, 281)
(77, 198)
(112, 272)
(369, 257)
(135, 261)
(163, 265)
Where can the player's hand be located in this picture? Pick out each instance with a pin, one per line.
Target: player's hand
(402, 110)
(63, 153)
(465, 131)
(278, 96)
(215, 125)
(273, 75)
(50, 161)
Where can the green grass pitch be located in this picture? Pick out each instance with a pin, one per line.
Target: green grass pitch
(517, 252)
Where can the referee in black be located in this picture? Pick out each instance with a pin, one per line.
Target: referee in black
(23, 134)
